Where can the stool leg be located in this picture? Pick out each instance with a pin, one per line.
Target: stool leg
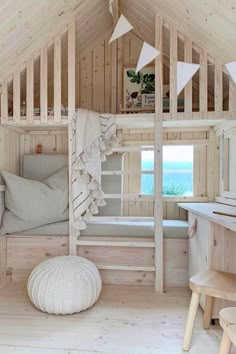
(207, 312)
(225, 345)
(192, 313)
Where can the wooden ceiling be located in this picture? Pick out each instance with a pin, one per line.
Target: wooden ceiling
(210, 23)
(27, 25)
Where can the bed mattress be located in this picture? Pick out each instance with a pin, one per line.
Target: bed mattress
(172, 229)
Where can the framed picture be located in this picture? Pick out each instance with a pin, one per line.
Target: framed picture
(138, 89)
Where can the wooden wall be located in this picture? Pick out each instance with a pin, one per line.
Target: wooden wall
(9, 150)
(52, 141)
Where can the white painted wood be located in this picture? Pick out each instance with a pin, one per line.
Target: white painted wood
(57, 78)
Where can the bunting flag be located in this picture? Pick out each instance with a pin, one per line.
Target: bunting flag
(123, 26)
(110, 6)
(147, 55)
(185, 72)
(231, 68)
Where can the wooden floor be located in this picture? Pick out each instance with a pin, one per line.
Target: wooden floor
(126, 320)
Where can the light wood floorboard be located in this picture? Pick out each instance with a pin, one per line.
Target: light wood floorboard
(126, 320)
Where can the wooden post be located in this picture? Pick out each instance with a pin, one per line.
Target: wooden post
(57, 78)
(4, 103)
(3, 261)
(211, 148)
(16, 96)
(218, 88)
(114, 48)
(188, 92)
(30, 90)
(173, 72)
(44, 85)
(71, 112)
(203, 84)
(71, 69)
(232, 98)
(158, 205)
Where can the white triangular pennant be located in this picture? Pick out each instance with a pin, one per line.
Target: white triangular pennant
(147, 55)
(185, 72)
(231, 68)
(123, 26)
(110, 6)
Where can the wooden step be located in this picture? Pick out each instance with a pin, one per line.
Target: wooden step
(125, 267)
(116, 241)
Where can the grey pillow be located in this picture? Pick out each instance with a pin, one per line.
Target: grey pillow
(31, 204)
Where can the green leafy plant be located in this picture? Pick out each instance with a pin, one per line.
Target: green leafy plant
(174, 189)
(146, 81)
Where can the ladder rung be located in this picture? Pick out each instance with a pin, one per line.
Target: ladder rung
(115, 243)
(120, 267)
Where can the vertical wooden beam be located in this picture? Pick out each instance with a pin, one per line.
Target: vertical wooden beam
(57, 78)
(16, 96)
(158, 204)
(203, 84)
(218, 89)
(211, 165)
(173, 72)
(71, 69)
(30, 90)
(3, 261)
(71, 112)
(232, 98)
(115, 9)
(119, 73)
(188, 92)
(44, 85)
(4, 103)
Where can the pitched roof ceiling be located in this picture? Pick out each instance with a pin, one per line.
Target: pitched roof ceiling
(26, 25)
(210, 23)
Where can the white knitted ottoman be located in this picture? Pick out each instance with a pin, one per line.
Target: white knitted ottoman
(64, 285)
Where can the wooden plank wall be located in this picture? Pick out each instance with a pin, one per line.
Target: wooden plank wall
(10, 150)
(52, 141)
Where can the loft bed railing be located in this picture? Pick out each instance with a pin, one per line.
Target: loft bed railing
(211, 94)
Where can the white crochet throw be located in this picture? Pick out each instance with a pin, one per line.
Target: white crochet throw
(94, 135)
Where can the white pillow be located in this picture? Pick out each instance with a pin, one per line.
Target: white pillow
(31, 204)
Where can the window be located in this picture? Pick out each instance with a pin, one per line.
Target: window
(177, 171)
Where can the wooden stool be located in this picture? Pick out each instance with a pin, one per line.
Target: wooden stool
(211, 283)
(228, 323)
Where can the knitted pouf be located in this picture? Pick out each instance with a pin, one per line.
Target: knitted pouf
(64, 285)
